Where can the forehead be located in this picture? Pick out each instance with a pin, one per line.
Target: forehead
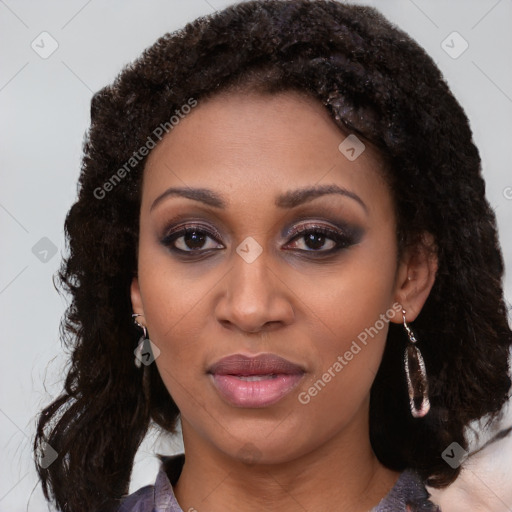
(256, 144)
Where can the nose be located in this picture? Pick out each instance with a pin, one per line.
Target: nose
(254, 298)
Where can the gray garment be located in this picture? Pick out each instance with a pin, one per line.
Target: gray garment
(407, 495)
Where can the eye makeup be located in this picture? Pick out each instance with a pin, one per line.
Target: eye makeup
(316, 238)
(316, 234)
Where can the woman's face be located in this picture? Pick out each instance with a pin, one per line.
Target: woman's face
(290, 250)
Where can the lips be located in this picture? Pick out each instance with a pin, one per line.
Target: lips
(257, 381)
(264, 364)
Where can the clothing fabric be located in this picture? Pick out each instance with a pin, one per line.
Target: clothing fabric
(407, 495)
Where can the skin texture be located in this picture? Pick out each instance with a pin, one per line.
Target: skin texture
(249, 149)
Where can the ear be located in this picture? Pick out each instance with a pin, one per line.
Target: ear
(136, 297)
(415, 276)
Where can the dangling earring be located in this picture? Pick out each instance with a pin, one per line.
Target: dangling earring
(416, 374)
(146, 351)
(140, 345)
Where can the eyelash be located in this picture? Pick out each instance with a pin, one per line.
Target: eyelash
(342, 240)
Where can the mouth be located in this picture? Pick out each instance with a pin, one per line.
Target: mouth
(254, 382)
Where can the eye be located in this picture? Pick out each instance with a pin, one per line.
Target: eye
(316, 238)
(195, 239)
(192, 239)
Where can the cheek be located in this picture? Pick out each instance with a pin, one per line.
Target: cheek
(352, 307)
(347, 358)
(175, 307)
(172, 291)
(347, 298)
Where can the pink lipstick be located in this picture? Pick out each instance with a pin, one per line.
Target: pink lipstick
(257, 381)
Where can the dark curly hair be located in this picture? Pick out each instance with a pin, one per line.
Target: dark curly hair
(375, 82)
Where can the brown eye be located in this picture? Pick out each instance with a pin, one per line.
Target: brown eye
(192, 239)
(322, 239)
(314, 240)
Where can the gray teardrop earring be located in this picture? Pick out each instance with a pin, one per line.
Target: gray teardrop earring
(142, 341)
(416, 374)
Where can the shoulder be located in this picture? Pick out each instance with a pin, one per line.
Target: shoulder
(142, 500)
(159, 496)
(407, 495)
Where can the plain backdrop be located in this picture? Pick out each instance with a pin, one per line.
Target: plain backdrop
(44, 102)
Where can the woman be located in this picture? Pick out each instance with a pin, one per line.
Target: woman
(286, 198)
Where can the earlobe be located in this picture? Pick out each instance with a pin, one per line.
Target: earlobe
(136, 296)
(416, 276)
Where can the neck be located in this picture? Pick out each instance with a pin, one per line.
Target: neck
(341, 475)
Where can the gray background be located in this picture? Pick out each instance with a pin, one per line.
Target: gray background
(45, 112)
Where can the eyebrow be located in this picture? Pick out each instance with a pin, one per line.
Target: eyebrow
(289, 199)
